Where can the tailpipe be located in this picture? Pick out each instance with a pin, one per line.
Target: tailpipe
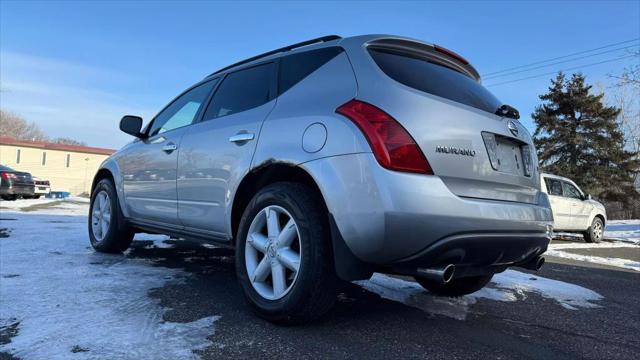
(533, 264)
(441, 274)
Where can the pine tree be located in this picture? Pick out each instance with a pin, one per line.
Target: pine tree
(579, 137)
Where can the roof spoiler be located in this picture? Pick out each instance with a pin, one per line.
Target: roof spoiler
(433, 52)
(282, 49)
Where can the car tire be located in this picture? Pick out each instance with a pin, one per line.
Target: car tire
(113, 235)
(9, 197)
(595, 232)
(35, 197)
(313, 287)
(455, 287)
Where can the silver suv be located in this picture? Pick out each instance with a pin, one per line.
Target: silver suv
(331, 159)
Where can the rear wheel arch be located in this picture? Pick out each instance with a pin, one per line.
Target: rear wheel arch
(263, 175)
(347, 265)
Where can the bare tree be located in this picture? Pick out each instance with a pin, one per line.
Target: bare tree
(68, 141)
(15, 126)
(627, 97)
(631, 74)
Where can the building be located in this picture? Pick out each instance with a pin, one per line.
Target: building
(68, 167)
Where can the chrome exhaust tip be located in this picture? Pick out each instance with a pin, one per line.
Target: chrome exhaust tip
(442, 274)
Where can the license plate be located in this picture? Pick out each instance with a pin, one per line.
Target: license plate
(42, 188)
(507, 155)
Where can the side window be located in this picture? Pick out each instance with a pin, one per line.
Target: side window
(554, 187)
(294, 68)
(242, 90)
(183, 110)
(571, 191)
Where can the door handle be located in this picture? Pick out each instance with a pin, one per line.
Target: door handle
(169, 148)
(241, 137)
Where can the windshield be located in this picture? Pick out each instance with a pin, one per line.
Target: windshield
(433, 78)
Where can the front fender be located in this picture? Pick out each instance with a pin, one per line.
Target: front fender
(597, 212)
(111, 165)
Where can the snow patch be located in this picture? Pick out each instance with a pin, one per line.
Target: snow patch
(583, 245)
(555, 249)
(617, 262)
(73, 303)
(569, 296)
(508, 286)
(623, 230)
(68, 206)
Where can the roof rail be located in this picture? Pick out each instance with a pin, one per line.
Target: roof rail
(283, 49)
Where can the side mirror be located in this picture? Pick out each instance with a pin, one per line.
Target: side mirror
(587, 197)
(132, 125)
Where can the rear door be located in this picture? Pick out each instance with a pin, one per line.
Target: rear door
(560, 205)
(149, 166)
(451, 116)
(216, 152)
(579, 209)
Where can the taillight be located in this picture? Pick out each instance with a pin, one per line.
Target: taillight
(391, 144)
(7, 176)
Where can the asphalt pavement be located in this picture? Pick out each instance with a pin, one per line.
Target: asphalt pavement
(364, 325)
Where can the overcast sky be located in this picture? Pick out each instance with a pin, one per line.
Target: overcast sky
(76, 67)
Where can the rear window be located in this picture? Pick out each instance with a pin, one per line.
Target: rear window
(294, 68)
(424, 75)
(5, 168)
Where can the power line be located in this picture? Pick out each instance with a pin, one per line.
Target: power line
(561, 57)
(559, 62)
(563, 70)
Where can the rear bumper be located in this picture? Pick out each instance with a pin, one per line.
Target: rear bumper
(37, 190)
(17, 190)
(388, 217)
(477, 254)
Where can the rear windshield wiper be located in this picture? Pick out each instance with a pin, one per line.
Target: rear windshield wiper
(508, 111)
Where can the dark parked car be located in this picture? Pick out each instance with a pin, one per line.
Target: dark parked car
(15, 183)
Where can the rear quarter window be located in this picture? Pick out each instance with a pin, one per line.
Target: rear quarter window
(430, 77)
(294, 68)
(242, 90)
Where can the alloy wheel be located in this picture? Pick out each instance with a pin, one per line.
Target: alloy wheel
(273, 252)
(597, 230)
(101, 215)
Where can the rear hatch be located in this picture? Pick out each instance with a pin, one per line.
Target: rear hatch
(437, 96)
(22, 178)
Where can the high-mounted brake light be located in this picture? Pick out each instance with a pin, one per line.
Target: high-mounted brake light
(450, 53)
(391, 144)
